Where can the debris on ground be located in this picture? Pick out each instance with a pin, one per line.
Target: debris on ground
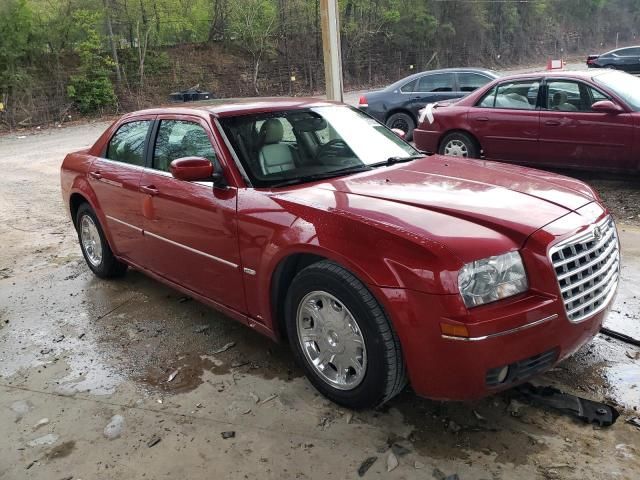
(418, 465)
(400, 450)
(227, 435)
(514, 408)
(240, 363)
(632, 355)
(153, 441)
(635, 421)
(202, 329)
(255, 397)
(349, 417)
(586, 410)
(440, 475)
(453, 427)
(114, 428)
(268, 399)
(366, 465)
(184, 299)
(478, 416)
(226, 347)
(48, 439)
(247, 411)
(392, 461)
(41, 423)
(58, 339)
(46, 351)
(173, 375)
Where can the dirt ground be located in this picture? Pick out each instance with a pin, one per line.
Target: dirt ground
(85, 367)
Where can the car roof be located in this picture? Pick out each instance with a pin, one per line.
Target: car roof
(619, 49)
(229, 107)
(575, 74)
(411, 77)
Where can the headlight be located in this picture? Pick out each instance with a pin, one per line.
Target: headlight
(492, 279)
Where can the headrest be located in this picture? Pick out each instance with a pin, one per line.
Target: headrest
(271, 131)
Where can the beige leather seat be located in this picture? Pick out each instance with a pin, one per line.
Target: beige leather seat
(274, 156)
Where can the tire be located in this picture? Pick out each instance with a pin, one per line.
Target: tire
(343, 309)
(404, 122)
(459, 144)
(91, 237)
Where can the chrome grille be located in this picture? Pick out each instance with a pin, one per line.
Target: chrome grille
(587, 267)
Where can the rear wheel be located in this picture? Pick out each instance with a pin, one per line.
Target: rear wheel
(459, 144)
(95, 249)
(342, 337)
(404, 122)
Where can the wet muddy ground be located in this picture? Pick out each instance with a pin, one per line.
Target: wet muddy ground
(85, 369)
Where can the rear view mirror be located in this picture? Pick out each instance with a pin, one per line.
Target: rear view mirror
(606, 106)
(191, 169)
(398, 132)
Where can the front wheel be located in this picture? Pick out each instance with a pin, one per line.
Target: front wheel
(342, 337)
(459, 144)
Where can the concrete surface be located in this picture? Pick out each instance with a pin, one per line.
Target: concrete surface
(85, 363)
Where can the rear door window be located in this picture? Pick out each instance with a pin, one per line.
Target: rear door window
(127, 144)
(518, 95)
(435, 83)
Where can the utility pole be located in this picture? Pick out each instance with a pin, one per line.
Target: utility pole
(331, 49)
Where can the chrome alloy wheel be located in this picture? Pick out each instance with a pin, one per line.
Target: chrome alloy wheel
(456, 148)
(331, 340)
(90, 238)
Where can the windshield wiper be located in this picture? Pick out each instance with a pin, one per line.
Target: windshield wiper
(323, 175)
(394, 160)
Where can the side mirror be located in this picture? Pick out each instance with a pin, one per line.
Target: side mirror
(191, 169)
(400, 133)
(606, 106)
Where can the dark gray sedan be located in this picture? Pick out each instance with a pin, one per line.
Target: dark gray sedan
(398, 105)
(626, 59)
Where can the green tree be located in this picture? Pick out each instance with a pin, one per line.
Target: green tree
(91, 88)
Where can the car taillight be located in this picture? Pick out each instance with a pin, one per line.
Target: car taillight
(363, 102)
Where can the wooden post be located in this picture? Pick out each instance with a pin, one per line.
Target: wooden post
(331, 49)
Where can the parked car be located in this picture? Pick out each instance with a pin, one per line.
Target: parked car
(627, 59)
(309, 221)
(397, 105)
(584, 120)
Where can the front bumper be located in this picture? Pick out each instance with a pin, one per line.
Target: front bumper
(453, 369)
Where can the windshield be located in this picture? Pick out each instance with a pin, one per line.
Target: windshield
(625, 86)
(282, 147)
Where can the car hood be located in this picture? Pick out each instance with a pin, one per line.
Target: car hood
(451, 200)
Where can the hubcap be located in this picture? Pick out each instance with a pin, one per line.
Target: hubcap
(90, 239)
(331, 340)
(456, 148)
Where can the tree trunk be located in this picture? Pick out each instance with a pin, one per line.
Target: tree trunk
(114, 48)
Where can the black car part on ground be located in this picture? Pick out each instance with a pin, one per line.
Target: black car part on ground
(190, 95)
(581, 408)
(620, 336)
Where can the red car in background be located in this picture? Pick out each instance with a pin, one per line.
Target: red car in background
(586, 120)
(309, 221)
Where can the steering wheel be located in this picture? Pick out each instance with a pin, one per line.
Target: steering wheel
(332, 147)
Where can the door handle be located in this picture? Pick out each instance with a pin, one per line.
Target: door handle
(552, 123)
(97, 175)
(481, 119)
(149, 190)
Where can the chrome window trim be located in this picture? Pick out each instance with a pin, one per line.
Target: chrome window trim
(504, 332)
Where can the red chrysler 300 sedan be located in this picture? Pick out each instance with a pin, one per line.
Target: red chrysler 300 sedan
(587, 120)
(309, 220)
